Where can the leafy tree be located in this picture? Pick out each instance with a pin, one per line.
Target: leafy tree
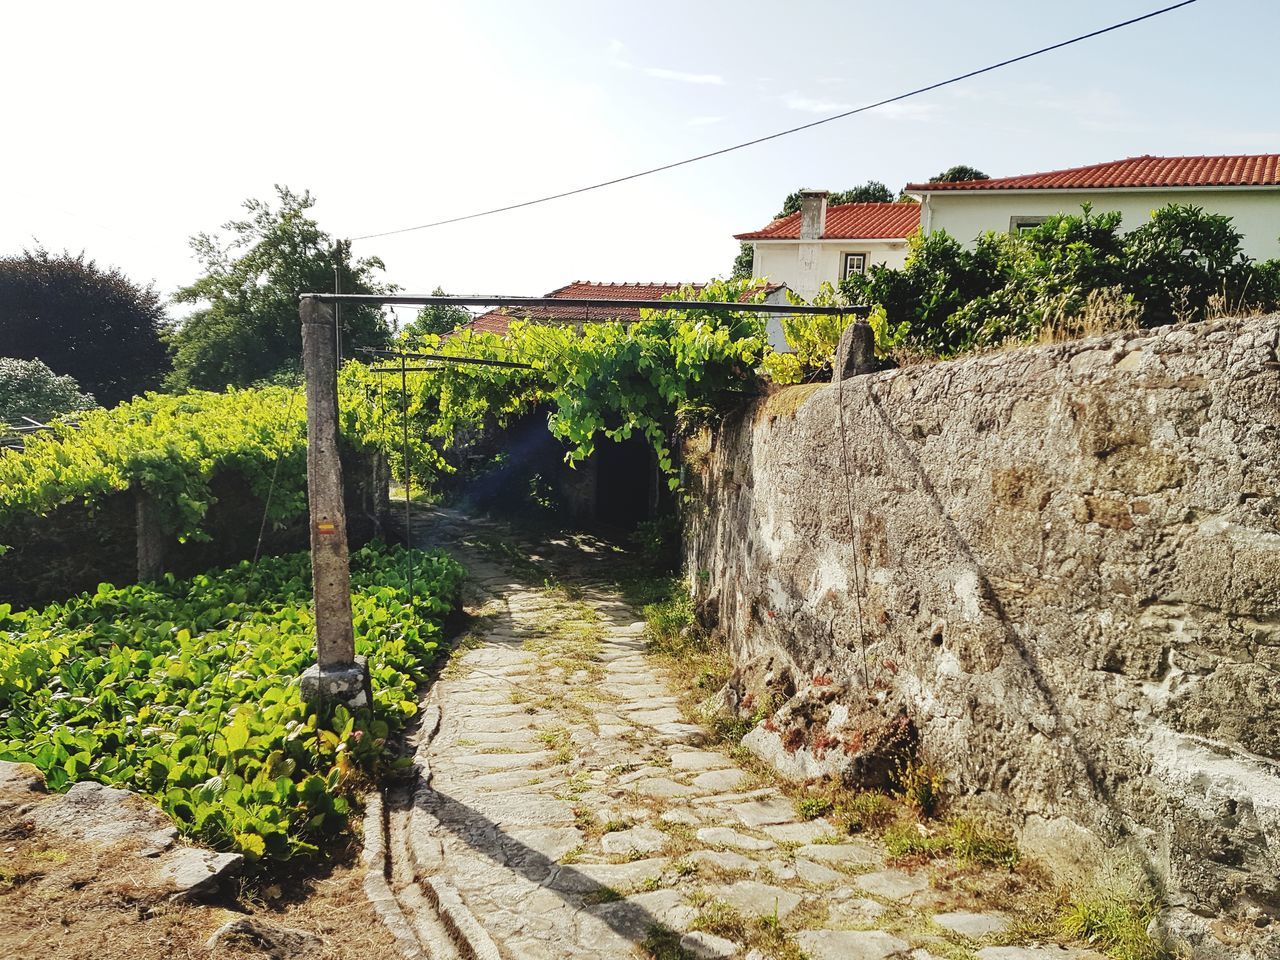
(437, 319)
(91, 324)
(246, 326)
(744, 262)
(958, 174)
(28, 388)
(873, 191)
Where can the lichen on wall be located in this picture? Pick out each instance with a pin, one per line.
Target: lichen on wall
(1059, 566)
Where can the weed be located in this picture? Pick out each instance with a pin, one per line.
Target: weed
(663, 943)
(1113, 913)
(603, 895)
(722, 919)
(965, 841)
(574, 855)
(921, 786)
(812, 807)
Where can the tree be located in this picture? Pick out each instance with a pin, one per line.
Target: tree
(437, 319)
(873, 191)
(28, 388)
(82, 321)
(958, 174)
(246, 326)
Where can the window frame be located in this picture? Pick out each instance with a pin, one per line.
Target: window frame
(848, 255)
(1021, 224)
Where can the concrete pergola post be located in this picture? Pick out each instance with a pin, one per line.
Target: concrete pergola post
(338, 673)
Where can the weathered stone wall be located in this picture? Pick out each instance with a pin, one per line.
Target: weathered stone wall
(1069, 560)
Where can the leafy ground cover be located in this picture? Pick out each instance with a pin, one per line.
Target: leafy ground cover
(187, 690)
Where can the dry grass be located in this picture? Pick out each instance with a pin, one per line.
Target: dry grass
(80, 903)
(1109, 310)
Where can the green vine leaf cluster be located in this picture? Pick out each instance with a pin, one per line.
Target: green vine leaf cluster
(187, 690)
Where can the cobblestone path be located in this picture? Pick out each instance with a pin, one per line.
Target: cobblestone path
(565, 808)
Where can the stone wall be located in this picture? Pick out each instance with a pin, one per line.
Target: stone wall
(1068, 570)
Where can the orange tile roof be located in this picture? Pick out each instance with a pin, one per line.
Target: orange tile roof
(498, 321)
(1242, 170)
(849, 221)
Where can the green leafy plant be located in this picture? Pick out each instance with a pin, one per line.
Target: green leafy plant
(1114, 913)
(187, 690)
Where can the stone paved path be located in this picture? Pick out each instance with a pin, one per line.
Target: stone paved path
(565, 808)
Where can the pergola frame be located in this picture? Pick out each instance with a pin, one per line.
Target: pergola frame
(338, 673)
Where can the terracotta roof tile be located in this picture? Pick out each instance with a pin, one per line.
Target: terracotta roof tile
(498, 321)
(1137, 172)
(849, 221)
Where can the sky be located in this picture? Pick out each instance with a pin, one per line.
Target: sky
(131, 126)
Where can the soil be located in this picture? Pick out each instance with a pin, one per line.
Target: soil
(69, 904)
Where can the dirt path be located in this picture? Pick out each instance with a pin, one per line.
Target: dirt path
(565, 808)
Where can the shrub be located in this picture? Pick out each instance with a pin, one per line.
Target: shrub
(28, 388)
(1074, 272)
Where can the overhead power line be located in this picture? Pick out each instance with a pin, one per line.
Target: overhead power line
(785, 133)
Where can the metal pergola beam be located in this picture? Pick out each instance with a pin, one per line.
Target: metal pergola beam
(591, 303)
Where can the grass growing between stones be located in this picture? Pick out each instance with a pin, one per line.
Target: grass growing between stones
(964, 841)
(765, 933)
(1113, 914)
(663, 943)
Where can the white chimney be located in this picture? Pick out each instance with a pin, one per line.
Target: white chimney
(813, 214)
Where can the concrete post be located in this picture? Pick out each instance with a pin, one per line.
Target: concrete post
(338, 673)
(856, 352)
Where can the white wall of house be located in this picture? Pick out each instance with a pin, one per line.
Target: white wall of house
(803, 265)
(965, 215)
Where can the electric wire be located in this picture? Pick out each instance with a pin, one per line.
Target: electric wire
(791, 130)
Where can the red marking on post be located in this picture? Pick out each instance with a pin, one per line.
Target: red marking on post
(326, 529)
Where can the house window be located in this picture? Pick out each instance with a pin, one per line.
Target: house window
(855, 264)
(1023, 224)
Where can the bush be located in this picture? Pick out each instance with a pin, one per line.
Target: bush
(187, 690)
(28, 388)
(1179, 266)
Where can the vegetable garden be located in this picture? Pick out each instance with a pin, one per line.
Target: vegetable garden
(187, 689)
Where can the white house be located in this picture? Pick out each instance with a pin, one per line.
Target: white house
(820, 243)
(1245, 188)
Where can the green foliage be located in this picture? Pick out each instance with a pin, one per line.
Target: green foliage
(245, 328)
(1182, 257)
(613, 379)
(28, 388)
(187, 690)
(172, 446)
(873, 191)
(1175, 267)
(437, 319)
(813, 340)
(921, 786)
(744, 263)
(958, 174)
(1114, 912)
(91, 324)
(964, 841)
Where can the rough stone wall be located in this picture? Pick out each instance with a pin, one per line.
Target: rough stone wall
(1069, 560)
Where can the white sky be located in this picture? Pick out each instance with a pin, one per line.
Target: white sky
(130, 126)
